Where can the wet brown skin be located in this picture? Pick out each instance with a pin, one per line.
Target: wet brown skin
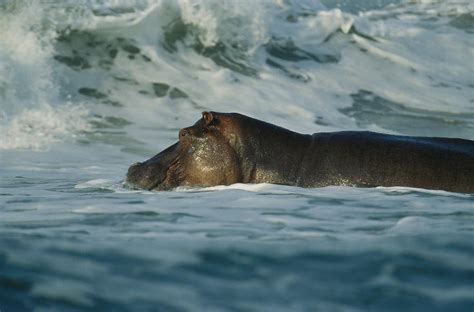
(227, 148)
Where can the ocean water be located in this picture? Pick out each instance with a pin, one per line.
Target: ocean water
(89, 87)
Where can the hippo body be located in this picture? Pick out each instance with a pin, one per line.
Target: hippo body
(227, 148)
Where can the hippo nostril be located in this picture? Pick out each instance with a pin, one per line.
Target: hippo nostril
(183, 133)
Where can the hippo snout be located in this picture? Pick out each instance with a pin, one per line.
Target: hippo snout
(145, 175)
(134, 174)
(133, 167)
(151, 173)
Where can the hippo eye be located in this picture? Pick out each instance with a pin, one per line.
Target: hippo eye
(214, 122)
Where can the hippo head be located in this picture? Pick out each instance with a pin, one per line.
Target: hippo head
(205, 155)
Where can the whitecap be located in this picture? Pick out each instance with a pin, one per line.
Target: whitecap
(97, 183)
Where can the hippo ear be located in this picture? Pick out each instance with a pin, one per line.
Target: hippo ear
(208, 117)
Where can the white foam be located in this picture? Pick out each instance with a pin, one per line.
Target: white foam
(31, 115)
(238, 186)
(404, 190)
(241, 23)
(96, 183)
(38, 129)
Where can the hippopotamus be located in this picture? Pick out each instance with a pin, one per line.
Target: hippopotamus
(227, 148)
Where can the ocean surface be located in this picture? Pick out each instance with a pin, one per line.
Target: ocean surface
(89, 87)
